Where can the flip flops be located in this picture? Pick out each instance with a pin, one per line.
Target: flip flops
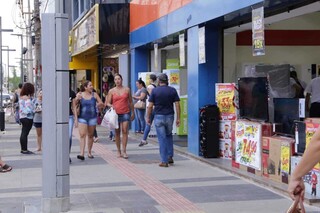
(5, 168)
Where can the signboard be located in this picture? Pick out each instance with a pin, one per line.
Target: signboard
(225, 96)
(202, 46)
(311, 129)
(258, 43)
(182, 50)
(248, 144)
(86, 33)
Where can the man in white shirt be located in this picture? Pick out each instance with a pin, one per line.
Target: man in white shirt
(313, 90)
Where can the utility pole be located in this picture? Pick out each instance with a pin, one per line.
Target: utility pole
(29, 45)
(37, 44)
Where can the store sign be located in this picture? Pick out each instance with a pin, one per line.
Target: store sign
(225, 97)
(258, 42)
(248, 144)
(182, 50)
(86, 33)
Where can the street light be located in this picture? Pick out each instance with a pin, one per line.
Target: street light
(23, 51)
(8, 50)
(2, 124)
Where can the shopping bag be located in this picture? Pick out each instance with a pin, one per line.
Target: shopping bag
(110, 119)
(296, 207)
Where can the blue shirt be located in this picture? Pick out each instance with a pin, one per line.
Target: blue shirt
(163, 98)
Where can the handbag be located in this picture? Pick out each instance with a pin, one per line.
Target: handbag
(140, 105)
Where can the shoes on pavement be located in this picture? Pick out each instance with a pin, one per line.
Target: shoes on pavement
(80, 157)
(142, 143)
(163, 164)
(70, 161)
(95, 139)
(90, 156)
(26, 152)
(170, 160)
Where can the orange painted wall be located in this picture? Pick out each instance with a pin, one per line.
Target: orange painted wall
(143, 12)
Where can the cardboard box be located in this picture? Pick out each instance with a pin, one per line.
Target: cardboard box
(311, 180)
(233, 145)
(267, 129)
(225, 148)
(276, 154)
(312, 120)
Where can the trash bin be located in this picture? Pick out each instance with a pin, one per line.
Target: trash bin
(209, 131)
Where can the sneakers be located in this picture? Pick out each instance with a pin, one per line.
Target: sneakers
(170, 160)
(163, 164)
(142, 143)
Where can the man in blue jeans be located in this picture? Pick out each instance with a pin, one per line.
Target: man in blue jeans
(163, 98)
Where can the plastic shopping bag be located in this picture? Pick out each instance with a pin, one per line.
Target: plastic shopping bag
(110, 119)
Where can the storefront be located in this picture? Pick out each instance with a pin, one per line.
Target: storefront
(94, 41)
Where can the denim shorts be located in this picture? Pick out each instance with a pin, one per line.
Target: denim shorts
(88, 121)
(37, 125)
(124, 117)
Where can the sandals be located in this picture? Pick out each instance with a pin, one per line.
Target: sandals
(90, 156)
(125, 156)
(80, 157)
(5, 168)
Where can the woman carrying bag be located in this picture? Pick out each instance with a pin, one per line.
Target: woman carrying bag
(139, 101)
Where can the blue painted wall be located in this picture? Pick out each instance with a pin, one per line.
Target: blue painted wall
(139, 63)
(201, 79)
(197, 12)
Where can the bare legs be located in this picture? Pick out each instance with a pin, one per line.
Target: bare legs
(84, 131)
(124, 128)
(39, 138)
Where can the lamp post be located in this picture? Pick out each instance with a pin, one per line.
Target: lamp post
(2, 124)
(8, 50)
(23, 51)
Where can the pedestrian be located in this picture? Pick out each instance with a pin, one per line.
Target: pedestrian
(310, 158)
(37, 119)
(146, 132)
(86, 121)
(72, 96)
(163, 98)
(4, 167)
(313, 90)
(119, 98)
(26, 112)
(16, 103)
(140, 95)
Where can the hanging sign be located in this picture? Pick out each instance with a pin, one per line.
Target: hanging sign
(258, 43)
(202, 44)
(181, 50)
(156, 56)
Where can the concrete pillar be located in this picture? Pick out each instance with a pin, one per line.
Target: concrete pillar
(202, 78)
(55, 154)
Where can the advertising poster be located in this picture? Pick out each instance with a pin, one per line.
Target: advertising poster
(225, 148)
(182, 51)
(285, 158)
(311, 128)
(202, 46)
(225, 96)
(248, 144)
(258, 43)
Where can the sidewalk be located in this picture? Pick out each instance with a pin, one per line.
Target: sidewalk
(110, 184)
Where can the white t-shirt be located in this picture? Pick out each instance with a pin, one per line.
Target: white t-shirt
(314, 89)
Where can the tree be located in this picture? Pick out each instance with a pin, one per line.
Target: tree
(14, 80)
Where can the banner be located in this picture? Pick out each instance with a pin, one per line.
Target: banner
(248, 144)
(311, 128)
(258, 43)
(202, 46)
(181, 50)
(225, 96)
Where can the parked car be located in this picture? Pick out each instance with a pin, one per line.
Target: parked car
(6, 100)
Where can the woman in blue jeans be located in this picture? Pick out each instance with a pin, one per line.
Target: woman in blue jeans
(140, 95)
(151, 86)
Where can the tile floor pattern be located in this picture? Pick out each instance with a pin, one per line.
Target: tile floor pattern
(107, 184)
